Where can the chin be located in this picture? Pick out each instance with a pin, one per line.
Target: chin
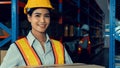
(41, 31)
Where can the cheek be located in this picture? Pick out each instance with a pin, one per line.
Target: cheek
(48, 21)
(33, 21)
(32, 24)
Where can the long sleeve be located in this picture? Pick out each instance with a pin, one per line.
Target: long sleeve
(12, 57)
(68, 59)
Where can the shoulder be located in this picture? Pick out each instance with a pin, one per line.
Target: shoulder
(56, 41)
(23, 38)
(13, 47)
(12, 50)
(21, 41)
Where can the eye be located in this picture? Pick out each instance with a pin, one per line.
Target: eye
(47, 15)
(37, 15)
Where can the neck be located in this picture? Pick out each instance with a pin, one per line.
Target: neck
(41, 37)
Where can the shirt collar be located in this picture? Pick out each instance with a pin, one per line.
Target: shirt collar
(31, 38)
(48, 39)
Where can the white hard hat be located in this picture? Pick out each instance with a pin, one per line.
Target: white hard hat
(85, 27)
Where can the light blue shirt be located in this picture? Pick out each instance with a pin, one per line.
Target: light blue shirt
(14, 57)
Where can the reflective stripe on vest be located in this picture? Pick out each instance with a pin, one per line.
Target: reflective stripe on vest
(28, 53)
(89, 43)
(31, 57)
(87, 37)
(58, 51)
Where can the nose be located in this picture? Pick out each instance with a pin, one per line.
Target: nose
(42, 19)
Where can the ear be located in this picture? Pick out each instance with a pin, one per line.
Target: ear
(29, 17)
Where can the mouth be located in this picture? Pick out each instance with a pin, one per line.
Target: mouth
(42, 25)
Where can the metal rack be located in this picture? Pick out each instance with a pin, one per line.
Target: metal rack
(112, 39)
(13, 33)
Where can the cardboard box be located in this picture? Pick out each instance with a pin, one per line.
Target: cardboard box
(2, 54)
(75, 65)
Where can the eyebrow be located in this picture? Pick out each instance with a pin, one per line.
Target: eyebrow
(40, 13)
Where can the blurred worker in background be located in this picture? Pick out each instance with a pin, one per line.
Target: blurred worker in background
(36, 48)
(117, 33)
(117, 30)
(84, 48)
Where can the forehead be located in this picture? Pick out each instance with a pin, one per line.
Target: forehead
(41, 10)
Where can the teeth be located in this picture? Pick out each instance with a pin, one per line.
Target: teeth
(41, 25)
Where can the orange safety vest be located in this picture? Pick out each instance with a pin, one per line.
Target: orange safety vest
(88, 46)
(30, 56)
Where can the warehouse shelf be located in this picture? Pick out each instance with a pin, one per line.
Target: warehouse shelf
(2, 37)
(87, 1)
(95, 19)
(86, 6)
(94, 27)
(90, 14)
(112, 38)
(96, 36)
(114, 42)
(98, 44)
(96, 11)
(11, 6)
(5, 2)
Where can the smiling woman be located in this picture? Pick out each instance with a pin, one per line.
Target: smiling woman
(36, 48)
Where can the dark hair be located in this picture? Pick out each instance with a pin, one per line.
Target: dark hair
(32, 9)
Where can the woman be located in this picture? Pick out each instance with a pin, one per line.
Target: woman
(36, 48)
